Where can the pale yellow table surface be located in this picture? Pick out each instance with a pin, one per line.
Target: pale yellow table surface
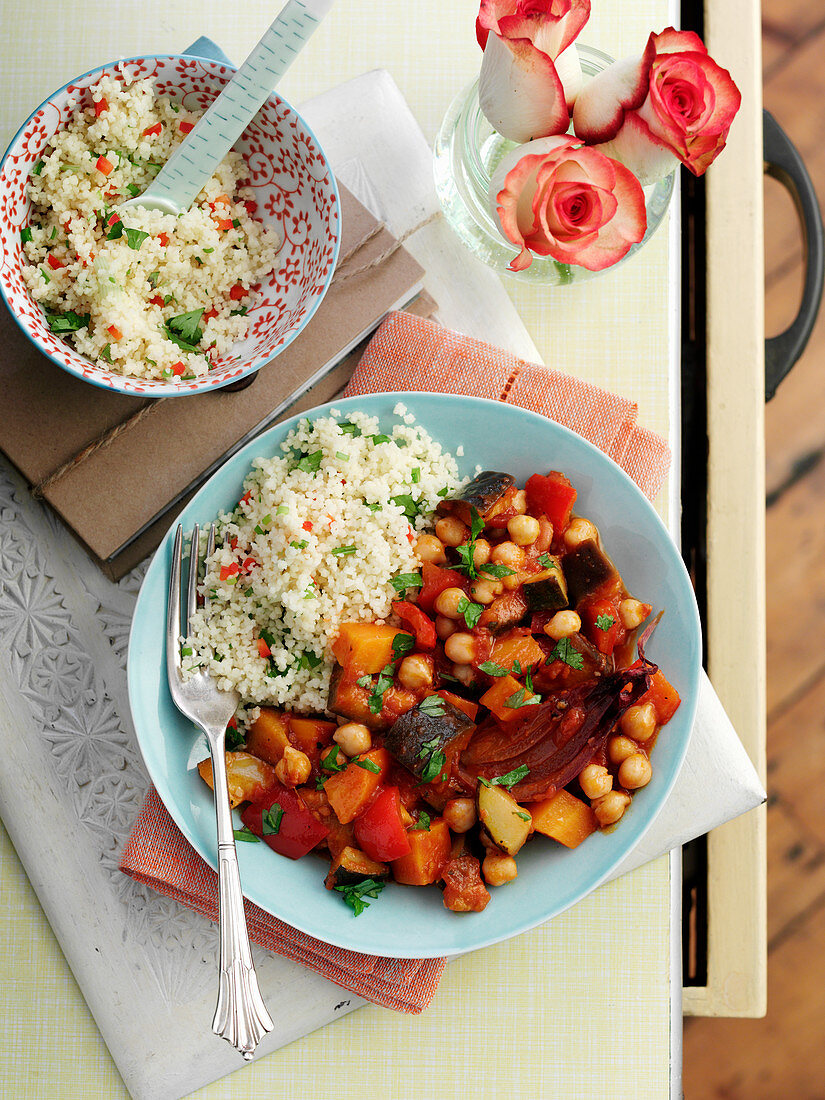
(579, 1009)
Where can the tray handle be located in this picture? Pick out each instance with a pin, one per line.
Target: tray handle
(783, 163)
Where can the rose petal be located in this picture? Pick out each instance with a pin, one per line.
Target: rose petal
(647, 156)
(673, 41)
(519, 91)
(550, 24)
(626, 228)
(569, 69)
(604, 100)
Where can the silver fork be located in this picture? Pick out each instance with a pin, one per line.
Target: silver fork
(240, 1015)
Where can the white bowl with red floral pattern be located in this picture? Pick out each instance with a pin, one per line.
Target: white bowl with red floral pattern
(295, 192)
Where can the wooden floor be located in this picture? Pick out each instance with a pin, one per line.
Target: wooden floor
(783, 1056)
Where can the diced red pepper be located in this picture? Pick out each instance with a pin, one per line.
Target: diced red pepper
(187, 127)
(237, 292)
(178, 368)
(263, 648)
(113, 218)
(299, 830)
(53, 262)
(104, 165)
(415, 619)
(552, 495)
(224, 224)
(307, 526)
(164, 239)
(607, 636)
(114, 332)
(436, 580)
(245, 499)
(247, 564)
(379, 830)
(156, 300)
(228, 571)
(212, 313)
(100, 106)
(151, 130)
(233, 542)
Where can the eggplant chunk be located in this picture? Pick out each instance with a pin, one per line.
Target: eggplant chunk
(353, 866)
(483, 493)
(547, 590)
(505, 611)
(586, 568)
(503, 818)
(424, 740)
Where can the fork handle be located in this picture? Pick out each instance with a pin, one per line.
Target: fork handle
(240, 1014)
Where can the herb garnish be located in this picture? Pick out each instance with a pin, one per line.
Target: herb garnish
(184, 330)
(329, 763)
(466, 553)
(406, 580)
(432, 706)
(548, 563)
(497, 570)
(367, 765)
(604, 622)
(106, 353)
(380, 439)
(471, 611)
(311, 463)
(493, 669)
(341, 550)
(115, 231)
(350, 429)
(435, 757)
(564, 651)
(518, 699)
(135, 238)
(401, 644)
(508, 780)
(302, 545)
(407, 505)
(354, 894)
(25, 235)
(67, 322)
(422, 821)
(271, 820)
(246, 834)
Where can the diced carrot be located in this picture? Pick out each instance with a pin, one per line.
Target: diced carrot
(310, 735)
(104, 165)
(100, 106)
(268, 735)
(187, 127)
(53, 262)
(152, 130)
(495, 698)
(263, 648)
(179, 369)
(221, 200)
(350, 791)
(307, 525)
(469, 708)
(237, 292)
(164, 239)
(664, 697)
(519, 647)
(114, 332)
(563, 817)
(364, 648)
(224, 224)
(227, 571)
(428, 855)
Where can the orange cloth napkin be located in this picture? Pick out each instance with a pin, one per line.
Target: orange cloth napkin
(407, 353)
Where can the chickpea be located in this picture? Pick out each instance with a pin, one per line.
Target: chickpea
(635, 771)
(580, 530)
(609, 810)
(460, 648)
(452, 531)
(633, 613)
(429, 548)
(619, 748)
(485, 589)
(523, 530)
(460, 814)
(465, 674)
(293, 768)
(498, 868)
(415, 672)
(352, 738)
(481, 553)
(563, 625)
(595, 781)
(512, 581)
(639, 722)
(519, 503)
(446, 602)
(444, 627)
(507, 553)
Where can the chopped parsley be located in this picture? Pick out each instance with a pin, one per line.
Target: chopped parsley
(368, 766)
(406, 580)
(523, 816)
(309, 660)
(471, 611)
(184, 330)
(466, 553)
(115, 231)
(330, 763)
(384, 681)
(493, 669)
(547, 562)
(106, 353)
(38, 168)
(45, 274)
(271, 820)
(508, 780)
(407, 505)
(518, 699)
(234, 737)
(435, 758)
(67, 322)
(564, 651)
(604, 622)
(135, 238)
(246, 834)
(153, 278)
(132, 188)
(354, 895)
(432, 706)
(25, 235)
(401, 644)
(350, 429)
(311, 463)
(422, 821)
(495, 569)
(302, 545)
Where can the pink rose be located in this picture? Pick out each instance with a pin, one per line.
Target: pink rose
(530, 74)
(555, 197)
(674, 103)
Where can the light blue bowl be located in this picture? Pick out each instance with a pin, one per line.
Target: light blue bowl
(407, 922)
